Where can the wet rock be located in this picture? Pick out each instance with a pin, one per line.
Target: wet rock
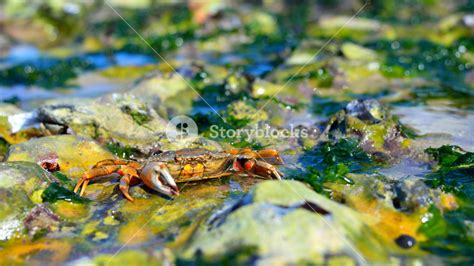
(21, 186)
(359, 29)
(378, 132)
(241, 113)
(73, 154)
(366, 110)
(7, 109)
(41, 220)
(48, 251)
(167, 94)
(291, 93)
(118, 118)
(268, 223)
(16, 125)
(410, 195)
(259, 22)
(355, 52)
(127, 257)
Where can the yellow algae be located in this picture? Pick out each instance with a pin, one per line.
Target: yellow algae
(126, 257)
(100, 236)
(134, 232)
(127, 71)
(448, 201)
(109, 220)
(19, 137)
(17, 253)
(91, 44)
(70, 210)
(388, 223)
(405, 144)
(35, 197)
(90, 228)
(139, 205)
(74, 154)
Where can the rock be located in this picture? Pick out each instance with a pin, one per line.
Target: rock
(267, 224)
(357, 24)
(74, 154)
(366, 110)
(167, 94)
(355, 52)
(41, 220)
(410, 195)
(7, 109)
(118, 117)
(16, 125)
(21, 185)
(378, 132)
(241, 113)
(127, 257)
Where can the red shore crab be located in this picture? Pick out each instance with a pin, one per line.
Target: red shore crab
(161, 172)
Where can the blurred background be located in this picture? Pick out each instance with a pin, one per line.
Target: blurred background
(51, 49)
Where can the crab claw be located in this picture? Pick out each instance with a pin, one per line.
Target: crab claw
(156, 176)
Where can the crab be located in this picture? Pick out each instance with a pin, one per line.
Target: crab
(161, 172)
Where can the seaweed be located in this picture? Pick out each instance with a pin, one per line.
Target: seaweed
(454, 170)
(48, 73)
(55, 192)
(331, 162)
(450, 234)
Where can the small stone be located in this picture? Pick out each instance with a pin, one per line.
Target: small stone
(405, 241)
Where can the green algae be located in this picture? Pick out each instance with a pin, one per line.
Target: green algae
(55, 192)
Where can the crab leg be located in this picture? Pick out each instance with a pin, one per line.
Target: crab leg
(125, 185)
(117, 162)
(265, 169)
(104, 170)
(268, 155)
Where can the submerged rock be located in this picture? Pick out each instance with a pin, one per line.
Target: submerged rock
(268, 225)
(73, 154)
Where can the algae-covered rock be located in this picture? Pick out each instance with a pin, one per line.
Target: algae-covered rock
(241, 113)
(378, 132)
(285, 222)
(20, 185)
(127, 257)
(118, 117)
(168, 94)
(74, 154)
(355, 52)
